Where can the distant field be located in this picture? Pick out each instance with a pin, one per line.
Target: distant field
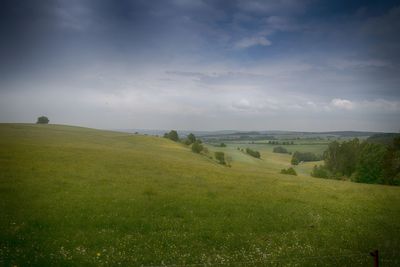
(84, 197)
(269, 160)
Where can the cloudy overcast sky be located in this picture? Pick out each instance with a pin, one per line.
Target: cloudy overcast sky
(202, 65)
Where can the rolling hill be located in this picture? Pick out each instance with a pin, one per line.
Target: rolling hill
(78, 196)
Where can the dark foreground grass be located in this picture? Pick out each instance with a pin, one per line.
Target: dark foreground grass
(76, 196)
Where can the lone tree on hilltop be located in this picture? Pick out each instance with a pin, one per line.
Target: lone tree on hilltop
(173, 135)
(42, 120)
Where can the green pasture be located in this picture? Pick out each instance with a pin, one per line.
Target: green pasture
(73, 196)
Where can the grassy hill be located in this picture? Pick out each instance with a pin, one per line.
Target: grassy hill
(77, 196)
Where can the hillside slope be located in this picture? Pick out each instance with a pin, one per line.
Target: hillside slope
(78, 196)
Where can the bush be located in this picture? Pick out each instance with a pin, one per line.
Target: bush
(222, 145)
(280, 149)
(43, 120)
(220, 157)
(173, 135)
(320, 172)
(289, 171)
(197, 147)
(253, 153)
(304, 156)
(228, 160)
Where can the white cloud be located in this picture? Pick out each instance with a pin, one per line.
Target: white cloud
(241, 104)
(381, 105)
(342, 104)
(252, 41)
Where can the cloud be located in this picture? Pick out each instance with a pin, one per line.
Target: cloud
(342, 104)
(252, 41)
(74, 15)
(276, 7)
(162, 63)
(381, 105)
(241, 104)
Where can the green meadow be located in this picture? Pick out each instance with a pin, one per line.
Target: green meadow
(72, 196)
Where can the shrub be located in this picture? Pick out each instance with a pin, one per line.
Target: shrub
(222, 145)
(320, 172)
(253, 153)
(289, 171)
(43, 120)
(280, 149)
(197, 147)
(220, 157)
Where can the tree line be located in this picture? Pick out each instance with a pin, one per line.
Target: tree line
(304, 156)
(280, 143)
(280, 149)
(362, 162)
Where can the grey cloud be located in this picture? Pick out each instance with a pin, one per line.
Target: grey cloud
(157, 64)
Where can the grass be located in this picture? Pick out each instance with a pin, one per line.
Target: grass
(270, 162)
(77, 196)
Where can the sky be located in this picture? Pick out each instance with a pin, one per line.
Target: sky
(306, 65)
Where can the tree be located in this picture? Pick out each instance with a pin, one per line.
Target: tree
(42, 120)
(303, 156)
(342, 158)
(369, 167)
(331, 156)
(191, 138)
(197, 147)
(173, 135)
(220, 157)
(391, 163)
